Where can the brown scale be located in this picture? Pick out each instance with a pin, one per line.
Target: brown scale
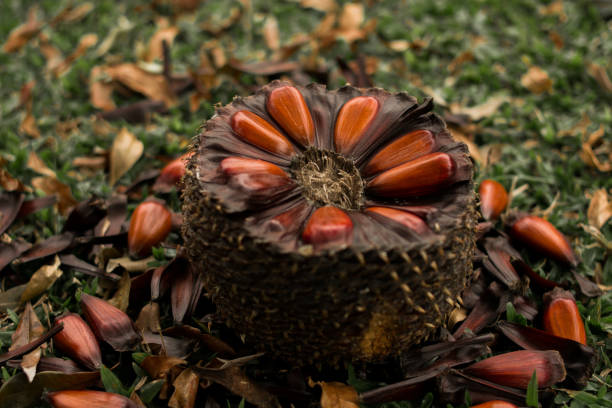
(355, 215)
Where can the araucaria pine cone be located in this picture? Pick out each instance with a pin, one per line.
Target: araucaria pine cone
(330, 225)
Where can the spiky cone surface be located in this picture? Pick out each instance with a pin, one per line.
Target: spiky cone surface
(330, 225)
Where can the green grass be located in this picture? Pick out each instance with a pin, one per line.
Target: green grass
(505, 37)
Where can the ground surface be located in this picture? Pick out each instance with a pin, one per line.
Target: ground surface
(524, 83)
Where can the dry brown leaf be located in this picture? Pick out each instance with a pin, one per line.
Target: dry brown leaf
(42, 280)
(86, 42)
(554, 9)
(35, 163)
(155, 50)
(23, 33)
(321, 5)
(100, 90)
(159, 366)
(185, 390)
(28, 124)
(350, 21)
(51, 185)
(601, 76)
(9, 183)
(537, 80)
(128, 264)
(148, 318)
(336, 394)
(478, 112)
(154, 86)
(578, 128)
(29, 329)
(271, 34)
(457, 63)
(125, 152)
(52, 54)
(121, 299)
(90, 162)
(600, 209)
(588, 154)
(556, 38)
(74, 14)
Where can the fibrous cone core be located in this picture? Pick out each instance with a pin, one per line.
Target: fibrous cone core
(328, 178)
(330, 226)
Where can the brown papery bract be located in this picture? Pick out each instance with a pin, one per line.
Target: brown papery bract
(109, 323)
(78, 341)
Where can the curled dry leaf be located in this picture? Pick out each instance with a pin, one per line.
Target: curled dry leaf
(51, 185)
(593, 144)
(160, 366)
(336, 394)
(121, 298)
(537, 80)
(23, 33)
(125, 152)
(601, 76)
(29, 329)
(154, 86)
(185, 390)
(42, 280)
(10, 183)
(600, 209)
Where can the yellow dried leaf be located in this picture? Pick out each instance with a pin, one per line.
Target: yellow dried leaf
(42, 280)
(125, 152)
(51, 185)
(35, 163)
(600, 209)
(185, 390)
(271, 34)
(336, 394)
(537, 80)
(485, 109)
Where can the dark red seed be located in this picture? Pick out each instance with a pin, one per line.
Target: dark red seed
(562, 317)
(150, 224)
(258, 132)
(493, 199)
(328, 226)
(288, 107)
(405, 218)
(353, 121)
(78, 342)
(403, 149)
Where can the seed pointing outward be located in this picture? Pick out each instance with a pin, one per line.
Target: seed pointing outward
(516, 368)
(287, 106)
(77, 341)
(541, 235)
(89, 399)
(328, 226)
(172, 173)
(352, 122)
(260, 133)
(404, 149)
(561, 316)
(150, 224)
(493, 199)
(109, 323)
(421, 176)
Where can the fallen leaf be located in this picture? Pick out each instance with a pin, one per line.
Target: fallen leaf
(321, 5)
(460, 60)
(123, 25)
(350, 21)
(601, 76)
(271, 34)
(216, 27)
(336, 394)
(29, 329)
(9, 252)
(9, 183)
(101, 89)
(554, 9)
(28, 124)
(72, 14)
(51, 185)
(588, 154)
(478, 112)
(537, 80)
(52, 54)
(148, 318)
(121, 298)
(42, 280)
(10, 203)
(125, 152)
(159, 366)
(556, 38)
(128, 264)
(90, 162)
(155, 50)
(23, 33)
(579, 128)
(600, 209)
(154, 86)
(86, 42)
(35, 163)
(185, 390)
(49, 246)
